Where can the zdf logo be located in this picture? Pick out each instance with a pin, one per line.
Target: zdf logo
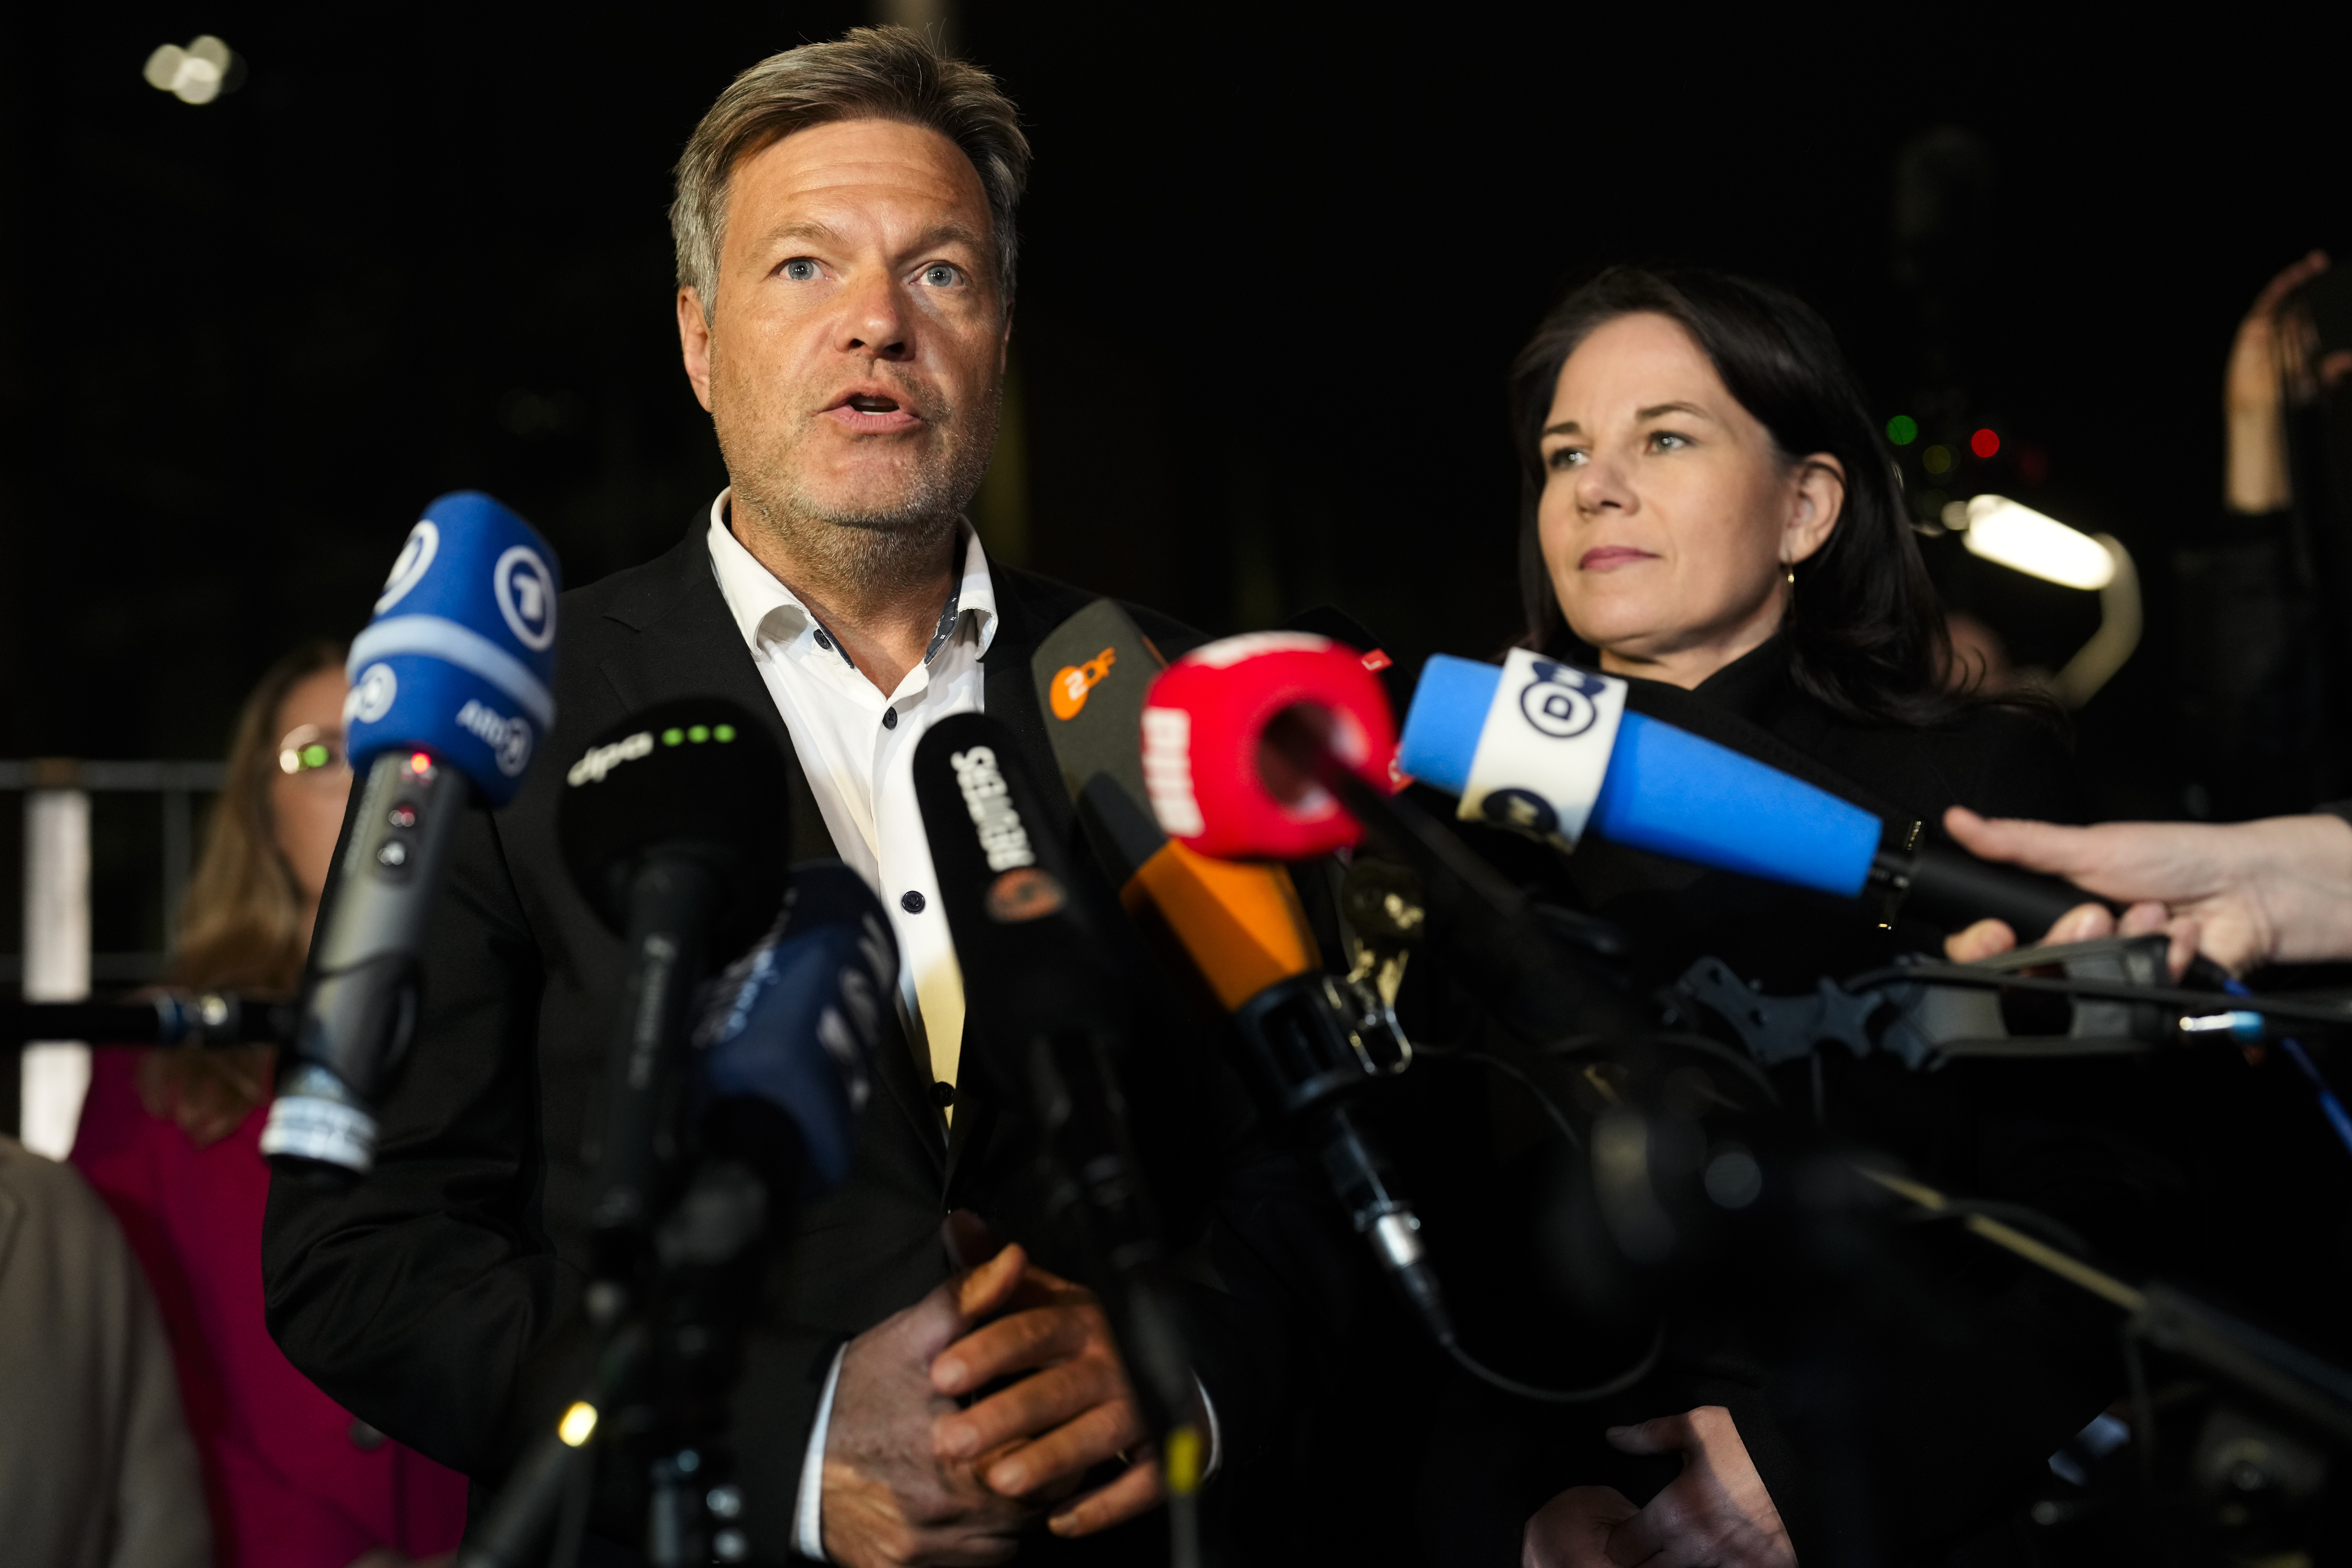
(526, 595)
(1557, 700)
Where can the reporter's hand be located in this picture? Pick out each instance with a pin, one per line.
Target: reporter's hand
(2273, 891)
(1715, 1514)
(1072, 1410)
(889, 1498)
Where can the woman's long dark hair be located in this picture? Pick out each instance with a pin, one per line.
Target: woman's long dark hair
(1865, 633)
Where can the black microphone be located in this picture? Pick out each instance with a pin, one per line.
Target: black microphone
(165, 1017)
(1050, 1016)
(782, 1068)
(673, 826)
(449, 696)
(782, 1061)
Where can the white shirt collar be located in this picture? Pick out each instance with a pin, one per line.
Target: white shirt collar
(764, 607)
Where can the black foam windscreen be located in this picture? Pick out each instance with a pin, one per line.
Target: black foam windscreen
(1033, 954)
(698, 778)
(1093, 672)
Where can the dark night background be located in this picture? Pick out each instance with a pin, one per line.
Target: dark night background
(1275, 267)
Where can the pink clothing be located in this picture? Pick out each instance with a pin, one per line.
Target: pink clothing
(293, 1481)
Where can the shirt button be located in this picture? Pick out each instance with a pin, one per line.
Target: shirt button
(942, 1095)
(823, 641)
(911, 901)
(889, 717)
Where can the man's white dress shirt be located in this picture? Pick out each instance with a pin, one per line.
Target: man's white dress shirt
(856, 748)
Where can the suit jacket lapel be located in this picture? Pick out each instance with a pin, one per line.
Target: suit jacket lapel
(688, 644)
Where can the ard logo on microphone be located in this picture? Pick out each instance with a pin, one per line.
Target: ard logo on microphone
(408, 568)
(526, 595)
(1072, 682)
(1559, 701)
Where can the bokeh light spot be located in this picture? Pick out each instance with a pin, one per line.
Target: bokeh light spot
(1936, 460)
(1903, 429)
(1984, 443)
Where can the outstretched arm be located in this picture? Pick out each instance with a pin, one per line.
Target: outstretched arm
(2245, 894)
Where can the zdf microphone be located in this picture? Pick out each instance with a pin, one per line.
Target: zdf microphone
(449, 697)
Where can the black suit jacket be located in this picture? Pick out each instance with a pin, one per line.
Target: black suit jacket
(415, 1298)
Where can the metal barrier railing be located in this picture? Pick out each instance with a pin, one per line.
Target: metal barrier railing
(57, 963)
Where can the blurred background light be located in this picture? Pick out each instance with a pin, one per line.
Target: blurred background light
(2025, 541)
(1903, 429)
(1984, 443)
(200, 72)
(1936, 460)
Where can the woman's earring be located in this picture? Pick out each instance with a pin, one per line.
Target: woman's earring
(1789, 572)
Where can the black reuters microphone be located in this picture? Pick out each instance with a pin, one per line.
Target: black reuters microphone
(1049, 1010)
(449, 699)
(674, 827)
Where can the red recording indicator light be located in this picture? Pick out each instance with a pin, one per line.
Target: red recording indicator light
(1984, 443)
(420, 762)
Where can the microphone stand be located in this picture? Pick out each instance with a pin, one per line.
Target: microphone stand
(216, 1020)
(1313, 1044)
(664, 1301)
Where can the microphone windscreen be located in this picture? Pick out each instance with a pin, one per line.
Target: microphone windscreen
(1205, 753)
(1092, 672)
(1032, 958)
(459, 656)
(794, 1024)
(1240, 926)
(1673, 793)
(1444, 719)
(698, 777)
(1659, 788)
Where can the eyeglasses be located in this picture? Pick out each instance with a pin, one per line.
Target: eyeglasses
(311, 752)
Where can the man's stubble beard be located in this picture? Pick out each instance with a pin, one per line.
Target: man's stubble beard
(897, 531)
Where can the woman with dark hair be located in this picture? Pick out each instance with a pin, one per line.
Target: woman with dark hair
(1707, 512)
(171, 1140)
(1707, 507)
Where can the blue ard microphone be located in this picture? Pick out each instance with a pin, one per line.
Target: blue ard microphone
(784, 1054)
(449, 698)
(1550, 751)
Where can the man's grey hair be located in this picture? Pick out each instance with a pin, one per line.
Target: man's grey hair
(871, 73)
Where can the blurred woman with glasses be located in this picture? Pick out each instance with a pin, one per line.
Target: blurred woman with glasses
(171, 1139)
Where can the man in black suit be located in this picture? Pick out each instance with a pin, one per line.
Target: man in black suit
(844, 227)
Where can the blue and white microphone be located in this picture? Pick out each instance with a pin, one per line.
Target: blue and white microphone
(1550, 750)
(450, 694)
(784, 1051)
